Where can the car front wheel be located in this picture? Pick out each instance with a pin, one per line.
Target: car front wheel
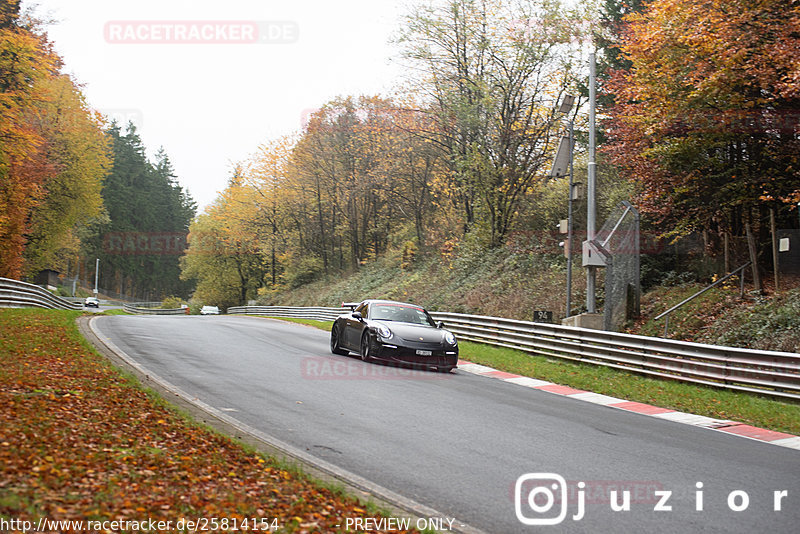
(365, 348)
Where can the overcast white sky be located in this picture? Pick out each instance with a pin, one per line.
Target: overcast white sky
(210, 105)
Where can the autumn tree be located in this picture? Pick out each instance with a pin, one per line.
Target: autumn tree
(359, 175)
(416, 167)
(224, 255)
(491, 74)
(24, 65)
(340, 167)
(9, 13)
(705, 120)
(79, 150)
(53, 154)
(267, 174)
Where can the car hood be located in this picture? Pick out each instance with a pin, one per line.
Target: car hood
(413, 332)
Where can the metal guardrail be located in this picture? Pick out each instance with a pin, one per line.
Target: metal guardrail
(770, 373)
(138, 308)
(16, 294)
(317, 313)
(153, 304)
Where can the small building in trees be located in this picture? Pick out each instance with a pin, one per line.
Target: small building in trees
(47, 278)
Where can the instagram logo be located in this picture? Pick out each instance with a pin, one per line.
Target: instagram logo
(540, 499)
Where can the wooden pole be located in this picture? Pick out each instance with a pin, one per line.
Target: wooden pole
(774, 246)
(751, 246)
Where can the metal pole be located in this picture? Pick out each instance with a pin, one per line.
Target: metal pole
(591, 210)
(96, 273)
(715, 284)
(569, 218)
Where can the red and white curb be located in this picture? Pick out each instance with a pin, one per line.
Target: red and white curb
(722, 425)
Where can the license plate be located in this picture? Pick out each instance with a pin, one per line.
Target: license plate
(424, 353)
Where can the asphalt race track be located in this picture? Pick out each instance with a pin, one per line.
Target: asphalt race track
(459, 442)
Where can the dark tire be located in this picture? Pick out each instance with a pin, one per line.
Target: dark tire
(335, 348)
(444, 369)
(365, 348)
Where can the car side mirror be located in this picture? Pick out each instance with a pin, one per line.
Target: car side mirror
(440, 324)
(357, 316)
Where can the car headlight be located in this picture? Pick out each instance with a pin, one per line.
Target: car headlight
(384, 331)
(449, 338)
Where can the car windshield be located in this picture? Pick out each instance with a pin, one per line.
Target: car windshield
(400, 313)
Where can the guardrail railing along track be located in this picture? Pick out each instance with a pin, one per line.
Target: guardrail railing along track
(317, 313)
(775, 374)
(770, 373)
(145, 308)
(16, 294)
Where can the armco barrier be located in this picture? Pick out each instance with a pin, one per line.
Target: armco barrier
(770, 373)
(16, 294)
(142, 308)
(316, 313)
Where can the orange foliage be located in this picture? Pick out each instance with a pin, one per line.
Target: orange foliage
(45, 131)
(707, 117)
(80, 442)
(24, 63)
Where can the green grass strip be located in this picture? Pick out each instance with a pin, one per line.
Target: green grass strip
(322, 325)
(712, 402)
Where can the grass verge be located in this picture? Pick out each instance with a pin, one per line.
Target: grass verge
(83, 441)
(115, 312)
(711, 402)
(322, 325)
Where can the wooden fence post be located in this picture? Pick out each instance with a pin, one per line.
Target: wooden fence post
(751, 245)
(774, 246)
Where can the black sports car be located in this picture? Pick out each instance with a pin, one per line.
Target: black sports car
(395, 332)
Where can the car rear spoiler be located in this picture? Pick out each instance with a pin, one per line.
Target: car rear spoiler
(351, 305)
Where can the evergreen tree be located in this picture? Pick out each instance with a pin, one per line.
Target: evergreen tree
(139, 248)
